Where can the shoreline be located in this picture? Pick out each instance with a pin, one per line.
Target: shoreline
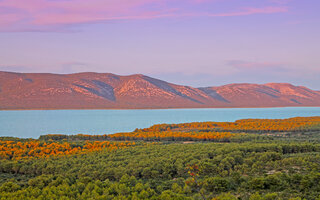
(173, 108)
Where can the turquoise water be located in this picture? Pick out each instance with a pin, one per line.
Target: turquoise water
(33, 123)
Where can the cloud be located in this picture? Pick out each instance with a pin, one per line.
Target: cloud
(15, 68)
(259, 66)
(282, 2)
(73, 67)
(251, 11)
(66, 67)
(272, 70)
(48, 15)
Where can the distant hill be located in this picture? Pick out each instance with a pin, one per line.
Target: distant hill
(110, 91)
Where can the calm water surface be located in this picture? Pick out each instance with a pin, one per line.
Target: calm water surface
(33, 123)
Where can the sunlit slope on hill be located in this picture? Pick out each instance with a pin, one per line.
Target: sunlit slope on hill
(110, 91)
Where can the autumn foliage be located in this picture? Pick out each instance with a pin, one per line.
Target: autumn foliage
(172, 136)
(202, 131)
(245, 125)
(16, 150)
(219, 131)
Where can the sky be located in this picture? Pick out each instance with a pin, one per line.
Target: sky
(188, 42)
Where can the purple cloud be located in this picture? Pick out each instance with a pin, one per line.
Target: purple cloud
(251, 11)
(247, 65)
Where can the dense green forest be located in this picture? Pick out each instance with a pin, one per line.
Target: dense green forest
(253, 166)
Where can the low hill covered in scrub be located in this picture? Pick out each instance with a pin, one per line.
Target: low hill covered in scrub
(169, 161)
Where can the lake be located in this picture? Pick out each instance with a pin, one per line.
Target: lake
(33, 123)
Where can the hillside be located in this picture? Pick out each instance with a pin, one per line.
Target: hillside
(110, 91)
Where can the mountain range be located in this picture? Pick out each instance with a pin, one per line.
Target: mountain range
(109, 91)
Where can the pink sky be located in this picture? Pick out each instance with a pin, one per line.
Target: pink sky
(38, 14)
(193, 42)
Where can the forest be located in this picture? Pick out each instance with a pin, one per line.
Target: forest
(251, 159)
